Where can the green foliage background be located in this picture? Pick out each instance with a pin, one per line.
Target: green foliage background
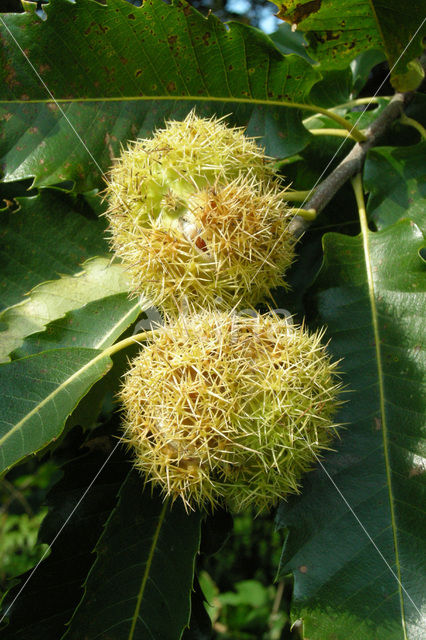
(349, 551)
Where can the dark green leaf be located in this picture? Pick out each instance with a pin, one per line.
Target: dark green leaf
(38, 393)
(417, 108)
(155, 50)
(403, 29)
(104, 125)
(288, 41)
(362, 66)
(200, 627)
(51, 300)
(361, 119)
(47, 238)
(343, 587)
(395, 178)
(9, 191)
(52, 593)
(335, 88)
(50, 235)
(137, 55)
(100, 402)
(140, 585)
(97, 325)
(339, 31)
(336, 31)
(323, 154)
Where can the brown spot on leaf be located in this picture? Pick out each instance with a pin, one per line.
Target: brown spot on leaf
(206, 38)
(171, 87)
(10, 78)
(172, 40)
(301, 12)
(377, 423)
(303, 569)
(332, 35)
(89, 28)
(325, 36)
(131, 16)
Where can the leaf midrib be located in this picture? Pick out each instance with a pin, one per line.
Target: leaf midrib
(53, 393)
(103, 343)
(374, 315)
(147, 570)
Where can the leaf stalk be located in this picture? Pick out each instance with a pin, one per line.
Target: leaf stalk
(340, 133)
(127, 342)
(306, 214)
(298, 196)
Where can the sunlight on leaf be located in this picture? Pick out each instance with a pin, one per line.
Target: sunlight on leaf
(337, 31)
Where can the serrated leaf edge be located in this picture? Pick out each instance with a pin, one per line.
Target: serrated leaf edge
(32, 296)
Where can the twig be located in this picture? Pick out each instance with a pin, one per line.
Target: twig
(353, 162)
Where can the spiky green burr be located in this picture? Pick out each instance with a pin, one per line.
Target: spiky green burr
(198, 217)
(223, 409)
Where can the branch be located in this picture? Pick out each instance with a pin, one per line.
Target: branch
(353, 162)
